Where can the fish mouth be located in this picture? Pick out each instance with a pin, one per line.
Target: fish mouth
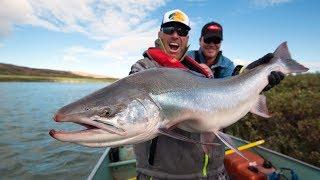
(92, 125)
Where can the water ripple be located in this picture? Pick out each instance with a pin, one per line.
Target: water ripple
(27, 151)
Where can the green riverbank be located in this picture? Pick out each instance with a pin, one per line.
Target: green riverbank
(25, 78)
(294, 128)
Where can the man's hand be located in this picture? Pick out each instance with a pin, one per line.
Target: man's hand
(274, 78)
(207, 69)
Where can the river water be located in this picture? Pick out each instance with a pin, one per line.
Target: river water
(26, 149)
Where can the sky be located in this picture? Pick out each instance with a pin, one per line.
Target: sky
(106, 37)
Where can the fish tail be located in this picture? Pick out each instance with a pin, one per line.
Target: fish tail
(288, 65)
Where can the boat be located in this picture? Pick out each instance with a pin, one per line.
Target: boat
(125, 168)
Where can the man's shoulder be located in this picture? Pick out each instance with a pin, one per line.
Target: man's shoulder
(225, 61)
(144, 59)
(142, 64)
(224, 58)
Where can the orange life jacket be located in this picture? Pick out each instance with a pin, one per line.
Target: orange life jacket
(165, 60)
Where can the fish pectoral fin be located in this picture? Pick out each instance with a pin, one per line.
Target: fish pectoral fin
(228, 142)
(169, 133)
(260, 108)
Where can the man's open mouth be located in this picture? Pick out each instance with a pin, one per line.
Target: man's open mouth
(174, 47)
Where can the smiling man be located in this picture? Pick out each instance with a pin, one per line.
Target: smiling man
(174, 34)
(209, 52)
(171, 44)
(165, 157)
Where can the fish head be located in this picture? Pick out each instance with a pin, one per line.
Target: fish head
(112, 117)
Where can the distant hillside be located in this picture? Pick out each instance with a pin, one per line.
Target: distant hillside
(9, 69)
(13, 71)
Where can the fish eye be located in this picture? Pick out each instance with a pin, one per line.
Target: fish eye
(106, 112)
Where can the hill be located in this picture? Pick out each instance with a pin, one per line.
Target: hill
(9, 72)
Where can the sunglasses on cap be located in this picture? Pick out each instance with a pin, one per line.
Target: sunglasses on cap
(212, 40)
(180, 31)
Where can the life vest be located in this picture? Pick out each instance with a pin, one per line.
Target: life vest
(165, 60)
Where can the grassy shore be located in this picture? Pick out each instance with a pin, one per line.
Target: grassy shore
(294, 128)
(24, 78)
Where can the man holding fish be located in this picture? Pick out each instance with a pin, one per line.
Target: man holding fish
(162, 97)
(211, 58)
(164, 157)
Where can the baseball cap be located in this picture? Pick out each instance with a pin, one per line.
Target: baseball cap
(175, 15)
(211, 30)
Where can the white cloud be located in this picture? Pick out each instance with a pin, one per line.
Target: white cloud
(99, 19)
(314, 66)
(115, 57)
(72, 54)
(1, 45)
(241, 62)
(125, 29)
(13, 12)
(265, 3)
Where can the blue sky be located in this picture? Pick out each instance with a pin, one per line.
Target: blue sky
(107, 36)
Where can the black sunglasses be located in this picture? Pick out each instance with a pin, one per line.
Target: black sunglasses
(180, 31)
(212, 40)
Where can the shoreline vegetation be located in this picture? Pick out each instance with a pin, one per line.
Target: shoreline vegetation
(294, 126)
(26, 78)
(14, 73)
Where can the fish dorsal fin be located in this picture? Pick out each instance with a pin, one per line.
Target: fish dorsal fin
(282, 51)
(170, 133)
(260, 108)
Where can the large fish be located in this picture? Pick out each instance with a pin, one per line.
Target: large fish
(143, 105)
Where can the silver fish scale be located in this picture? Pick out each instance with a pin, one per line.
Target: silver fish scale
(161, 80)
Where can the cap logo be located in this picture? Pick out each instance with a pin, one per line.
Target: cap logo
(214, 28)
(177, 16)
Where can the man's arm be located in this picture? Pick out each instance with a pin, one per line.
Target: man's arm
(274, 78)
(143, 64)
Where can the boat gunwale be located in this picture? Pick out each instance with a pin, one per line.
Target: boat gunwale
(106, 152)
(279, 154)
(100, 161)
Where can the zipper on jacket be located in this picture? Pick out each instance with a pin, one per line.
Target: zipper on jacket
(205, 165)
